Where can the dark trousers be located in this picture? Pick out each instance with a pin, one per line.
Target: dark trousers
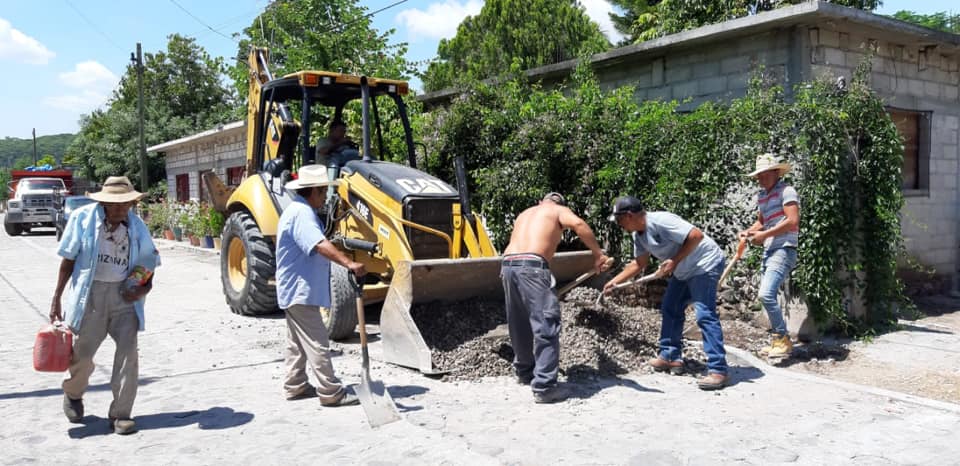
(533, 316)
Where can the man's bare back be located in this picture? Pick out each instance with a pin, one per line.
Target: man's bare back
(537, 230)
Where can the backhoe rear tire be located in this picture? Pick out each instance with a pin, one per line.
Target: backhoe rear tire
(342, 318)
(247, 266)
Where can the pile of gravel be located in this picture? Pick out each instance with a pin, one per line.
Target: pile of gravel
(470, 338)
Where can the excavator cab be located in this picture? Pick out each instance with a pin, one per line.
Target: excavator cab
(415, 233)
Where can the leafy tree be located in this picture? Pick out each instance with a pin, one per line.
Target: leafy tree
(183, 95)
(645, 20)
(941, 21)
(523, 33)
(331, 35)
(47, 160)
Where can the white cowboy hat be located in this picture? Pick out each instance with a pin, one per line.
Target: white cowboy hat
(769, 161)
(310, 176)
(118, 190)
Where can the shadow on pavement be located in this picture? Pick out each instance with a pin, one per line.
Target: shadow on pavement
(59, 391)
(741, 374)
(405, 391)
(214, 418)
(585, 390)
(918, 328)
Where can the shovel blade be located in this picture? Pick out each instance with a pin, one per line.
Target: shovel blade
(376, 401)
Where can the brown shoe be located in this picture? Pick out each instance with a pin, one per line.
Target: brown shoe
(123, 426)
(662, 365)
(713, 381)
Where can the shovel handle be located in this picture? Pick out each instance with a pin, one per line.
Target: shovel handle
(361, 318)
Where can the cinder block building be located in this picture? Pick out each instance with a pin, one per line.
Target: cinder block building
(915, 69)
(221, 150)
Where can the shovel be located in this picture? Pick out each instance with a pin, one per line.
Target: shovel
(374, 397)
(582, 278)
(741, 247)
(643, 279)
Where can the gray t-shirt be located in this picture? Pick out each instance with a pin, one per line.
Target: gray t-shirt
(663, 237)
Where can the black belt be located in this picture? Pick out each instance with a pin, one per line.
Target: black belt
(525, 263)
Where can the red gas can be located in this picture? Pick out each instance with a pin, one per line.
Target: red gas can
(53, 348)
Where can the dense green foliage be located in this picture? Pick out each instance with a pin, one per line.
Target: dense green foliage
(330, 35)
(12, 149)
(526, 33)
(643, 20)
(941, 21)
(593, 146)
(182, 95)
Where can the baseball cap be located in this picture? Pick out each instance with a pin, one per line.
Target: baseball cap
(555, 197)
(625, 204)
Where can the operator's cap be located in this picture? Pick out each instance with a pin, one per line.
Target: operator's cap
(555, 197)
(625, 205)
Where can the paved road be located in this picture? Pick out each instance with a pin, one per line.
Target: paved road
(210, 394)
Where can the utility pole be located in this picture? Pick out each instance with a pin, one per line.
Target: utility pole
(35, 147)
(138, 62)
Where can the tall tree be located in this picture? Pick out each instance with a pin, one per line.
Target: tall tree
(183, 95)
(528, 33)
(331, 35)
(942, 21)
(645, 20)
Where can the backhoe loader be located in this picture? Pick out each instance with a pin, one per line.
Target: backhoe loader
(415, 233)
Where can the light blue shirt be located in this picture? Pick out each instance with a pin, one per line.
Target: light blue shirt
(81, 243)
(663, 237)
(303, 274)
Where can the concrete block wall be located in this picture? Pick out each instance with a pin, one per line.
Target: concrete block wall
(917, 78)
(719, 71)
(216, 152)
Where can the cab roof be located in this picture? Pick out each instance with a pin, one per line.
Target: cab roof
(328, 88)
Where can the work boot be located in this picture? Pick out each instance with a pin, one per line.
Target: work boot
(348, 399)
(662, 365)
(308, 392)
(551, 395)
(123, 426)
(73, 409)
(780, 347)
(713, 381)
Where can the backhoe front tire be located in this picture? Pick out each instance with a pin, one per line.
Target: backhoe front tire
(342, 318)
(247, 265)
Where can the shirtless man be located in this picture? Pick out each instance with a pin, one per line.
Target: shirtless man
(533, 311)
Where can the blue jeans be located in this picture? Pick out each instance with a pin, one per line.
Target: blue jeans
(777, 264)
(701, 290)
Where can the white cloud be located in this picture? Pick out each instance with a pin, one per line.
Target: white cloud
(89, 74)
(93, 83)
(17, 46)
(599, 11)
(440, 20)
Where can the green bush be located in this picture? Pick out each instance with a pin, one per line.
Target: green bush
(592, 145)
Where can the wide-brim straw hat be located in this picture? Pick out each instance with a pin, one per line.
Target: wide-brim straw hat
(769, 161)
(310, 176)
(117, 189)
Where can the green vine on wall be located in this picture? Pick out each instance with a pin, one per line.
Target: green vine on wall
(520, 141)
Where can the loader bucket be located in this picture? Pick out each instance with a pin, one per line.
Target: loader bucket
(445, 281)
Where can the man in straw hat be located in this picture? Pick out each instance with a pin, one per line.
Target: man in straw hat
(303, 288)
(777, 229)
(533, 311)
(101, 244)
(694, 262)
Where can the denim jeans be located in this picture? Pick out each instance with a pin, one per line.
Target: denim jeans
(701, 290)
(777, 264)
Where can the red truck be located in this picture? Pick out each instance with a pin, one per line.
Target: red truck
(33, 198)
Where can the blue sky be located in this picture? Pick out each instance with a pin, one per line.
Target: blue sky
(62, 58)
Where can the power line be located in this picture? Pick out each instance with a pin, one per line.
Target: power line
(230, 21)
(201, 21)
(94, 26)
(368, 15)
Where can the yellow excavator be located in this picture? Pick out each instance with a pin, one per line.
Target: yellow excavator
(415, 233)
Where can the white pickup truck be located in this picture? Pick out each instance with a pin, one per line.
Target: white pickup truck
(33, 205)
